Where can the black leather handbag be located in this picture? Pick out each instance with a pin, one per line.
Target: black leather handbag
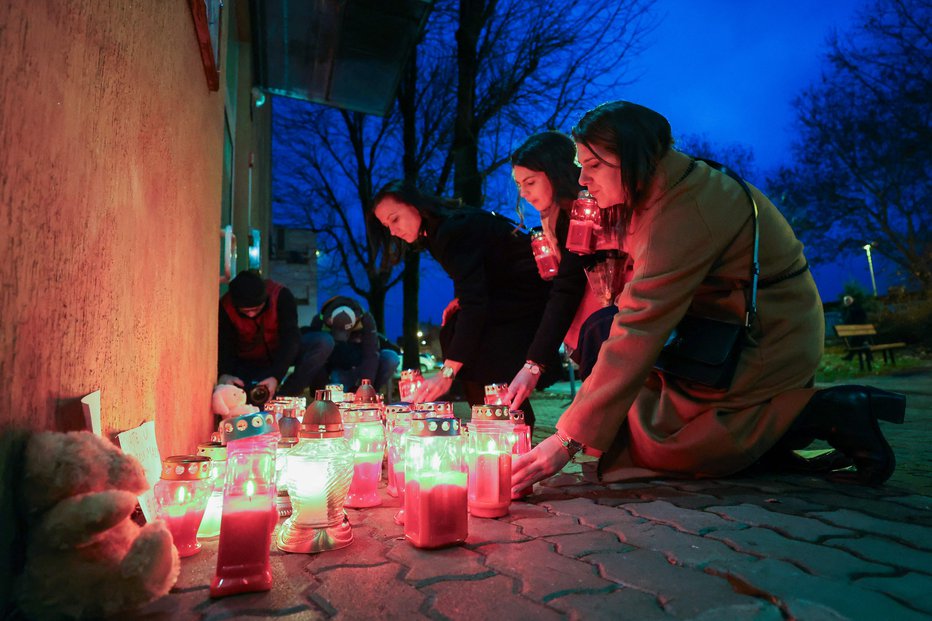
(705, 351)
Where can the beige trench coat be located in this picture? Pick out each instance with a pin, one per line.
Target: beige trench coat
(691, 250)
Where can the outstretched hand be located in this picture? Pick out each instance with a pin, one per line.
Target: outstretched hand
(544, 460)
(432, 389)
(521, 387)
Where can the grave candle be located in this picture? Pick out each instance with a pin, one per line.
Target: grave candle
(366, 436)
(249, 510)
(435, 484)
(320, 470)
(182, 493)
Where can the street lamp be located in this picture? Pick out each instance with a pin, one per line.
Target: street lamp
(870, 266)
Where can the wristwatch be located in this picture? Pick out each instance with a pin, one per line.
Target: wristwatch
(533, 367)
(572, 446)
(447, 372)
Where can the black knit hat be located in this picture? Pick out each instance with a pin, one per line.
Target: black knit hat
(248, 290)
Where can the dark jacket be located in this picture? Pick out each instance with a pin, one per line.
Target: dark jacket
(360, 350)
(270, 340)
(566, 294)
(500, 293)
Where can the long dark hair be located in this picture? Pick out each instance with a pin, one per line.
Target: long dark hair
(554, 154)
(432, 209)
(639, 137)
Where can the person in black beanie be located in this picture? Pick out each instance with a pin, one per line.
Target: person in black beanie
(258, 334)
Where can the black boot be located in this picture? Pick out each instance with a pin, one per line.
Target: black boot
(846, 417)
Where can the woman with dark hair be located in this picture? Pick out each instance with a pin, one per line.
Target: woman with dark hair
(690, 232)
(500, 295)
(547, 177)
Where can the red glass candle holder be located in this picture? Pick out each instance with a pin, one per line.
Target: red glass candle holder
(249, 508)
(522, 445)
(408, 384)
(495, 394)
(395, 416)
(320, 471)
(491, 439)
(584, 223)
(544, 255)
(182, 493)
(366, 436)
(435, 484)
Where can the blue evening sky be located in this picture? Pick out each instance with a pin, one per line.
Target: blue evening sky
(728, 69)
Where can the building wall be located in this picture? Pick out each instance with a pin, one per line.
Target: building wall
(293, 263)
(110, 193)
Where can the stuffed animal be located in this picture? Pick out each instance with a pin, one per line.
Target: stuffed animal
(229, 400)
(84, 557)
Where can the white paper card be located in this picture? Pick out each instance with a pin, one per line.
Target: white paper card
(90, 404)
(140, 443)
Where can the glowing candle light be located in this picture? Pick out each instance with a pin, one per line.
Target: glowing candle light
(408, 384)
(249, 510)
(584, 219)
(182, 493)
(522, 445)
(491, 439)
(544, 256)
(366, 436)
(435, 484)
(320, 470)
(495, 394)
(210, 523)
(396, 417)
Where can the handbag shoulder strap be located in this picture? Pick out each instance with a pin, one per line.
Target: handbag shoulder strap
(751, 307)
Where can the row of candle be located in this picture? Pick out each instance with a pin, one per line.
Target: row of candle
(322, 474)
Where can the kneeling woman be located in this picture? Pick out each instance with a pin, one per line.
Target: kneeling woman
(690, 236)
(500, 296)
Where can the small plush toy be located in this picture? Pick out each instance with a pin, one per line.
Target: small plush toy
(229, 400)
(84, 557)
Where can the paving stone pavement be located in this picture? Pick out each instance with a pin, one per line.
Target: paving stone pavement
(747, 547)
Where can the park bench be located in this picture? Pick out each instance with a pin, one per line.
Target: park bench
(859, 339)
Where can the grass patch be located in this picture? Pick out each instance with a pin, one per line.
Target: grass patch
(834, 367)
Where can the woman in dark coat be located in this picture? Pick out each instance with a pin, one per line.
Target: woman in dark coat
(500, 296)
(547, 177)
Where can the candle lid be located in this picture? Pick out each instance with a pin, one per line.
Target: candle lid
(494, 389)
(394, 409)
(429, 427)
(440, 408)
(214, 450)
(186, 468)
(410, 374)
(321, 420)
(247, 426)
(361, 415)
(366, 393)
(517, 416)
(495, 413)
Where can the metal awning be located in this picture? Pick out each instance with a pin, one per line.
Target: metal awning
(344, 53)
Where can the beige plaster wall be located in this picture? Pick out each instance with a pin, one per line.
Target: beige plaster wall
(110, 180)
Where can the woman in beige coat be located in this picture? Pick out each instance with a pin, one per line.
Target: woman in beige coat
(690, 236)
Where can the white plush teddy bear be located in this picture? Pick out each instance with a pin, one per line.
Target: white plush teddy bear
(229, 400)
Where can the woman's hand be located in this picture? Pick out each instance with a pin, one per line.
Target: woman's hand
(435, 387)
(544, 460)
(432, 389)
(521, 387)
